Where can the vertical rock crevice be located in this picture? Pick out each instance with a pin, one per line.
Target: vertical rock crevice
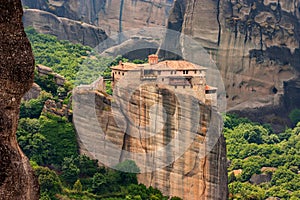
(219, 23)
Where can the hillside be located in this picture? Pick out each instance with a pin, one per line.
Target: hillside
(262, 164)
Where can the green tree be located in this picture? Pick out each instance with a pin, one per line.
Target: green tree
(50, 183)
(128, 170)
(249, 169)
(33, 108)
(33, 144)
(77, 186)
(70, 172)
(282, 175)
(47, 83)
(87, 166)
(100, 184)
(61, 136)
(295, 116)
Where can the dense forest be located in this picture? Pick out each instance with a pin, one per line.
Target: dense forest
(261, 163)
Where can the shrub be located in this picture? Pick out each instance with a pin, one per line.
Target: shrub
(295, 116)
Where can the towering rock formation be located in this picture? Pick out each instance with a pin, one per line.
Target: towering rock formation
(107, 13)
(65, 29)
(255, 45)
(78, 10)
(17, 180)
(174, 138)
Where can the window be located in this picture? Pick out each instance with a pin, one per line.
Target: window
(183, 86)
(159, 72)
(171, 72)
(123, 74)
(185, 71)
(195, 72)
(162, 79)
(148, 72)
(118, 72)
(174, 72)
(175, 86)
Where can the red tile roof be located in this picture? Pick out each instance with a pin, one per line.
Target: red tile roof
(164, 65)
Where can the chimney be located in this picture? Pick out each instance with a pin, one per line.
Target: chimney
(153, 59)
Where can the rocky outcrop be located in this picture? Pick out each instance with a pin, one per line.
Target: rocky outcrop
(260, 178)
(63, 28)
(174, 139)
(106, 13)
(47, 71)
(33, 93)
(134, 47)
(79, 10)
(17, 180)
(57, 108)
(255, 44)
(38, 4)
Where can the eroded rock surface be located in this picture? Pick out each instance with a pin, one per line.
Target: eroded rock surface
(174, 150)
(255, 44)
(106, 13)
(33, 93)
(64, 28)
(17, 180)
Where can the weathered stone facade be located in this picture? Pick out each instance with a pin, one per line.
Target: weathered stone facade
(174, 139)
(255, 45)
(178, 75)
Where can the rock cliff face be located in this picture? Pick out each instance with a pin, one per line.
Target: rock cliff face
(106, 13)
(79, 10)
(17, 180)
(180, 151)
(255, 45)
(65, 29)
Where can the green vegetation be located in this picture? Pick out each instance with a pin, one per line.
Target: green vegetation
(48, 139)
(295, 116)
(63, 57)
(50, 143)
(77, 63)
(251, 147)
(33, 108)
